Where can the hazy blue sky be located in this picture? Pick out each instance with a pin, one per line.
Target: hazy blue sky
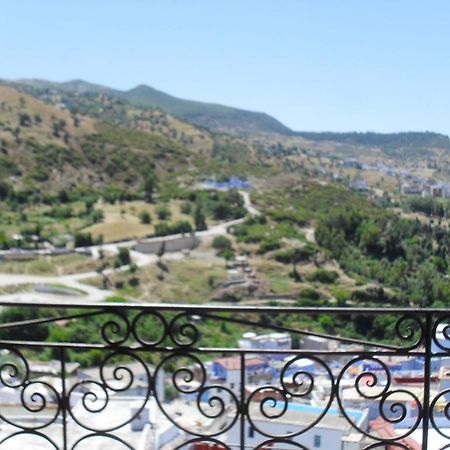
(315, 65)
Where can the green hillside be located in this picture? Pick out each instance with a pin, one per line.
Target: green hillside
(215, 117)
(58, 148)
(212, 116)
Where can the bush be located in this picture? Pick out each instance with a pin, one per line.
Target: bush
(163, 212)
(305, 302)
(97, 215)
(341, 295)
(60, 212)
(186, 208)
(297, 255)
(83, 239)
(324, 276)
(297, 217)
(179, 227)
(162, 229)
(124, 256)
(372, 294)
(221, 243)
(228, 254)
(268, 245)
(134, 281)
(144, 217)
(309, 293)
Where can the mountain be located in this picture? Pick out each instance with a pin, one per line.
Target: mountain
(215, 117)
(226, 134)
(209, 115)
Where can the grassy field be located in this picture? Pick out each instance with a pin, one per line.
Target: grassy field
(277, 277)
(51, 265)
(189, 280)
(15, 289)
(121, 220)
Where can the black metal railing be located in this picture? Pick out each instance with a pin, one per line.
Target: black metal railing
(214, 377)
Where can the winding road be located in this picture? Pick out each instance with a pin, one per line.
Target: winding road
(92, 293)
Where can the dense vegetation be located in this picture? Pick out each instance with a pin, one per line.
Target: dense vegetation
(387, 141)
(406, 255)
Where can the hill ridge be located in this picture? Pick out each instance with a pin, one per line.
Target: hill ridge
(215, 116)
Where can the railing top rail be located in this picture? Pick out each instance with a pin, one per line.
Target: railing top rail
(198, 308)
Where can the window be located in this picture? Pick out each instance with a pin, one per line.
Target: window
(317, 440)
(251, 432)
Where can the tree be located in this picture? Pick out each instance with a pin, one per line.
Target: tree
(297, 257)
(370, 238)
(5, 190)
(199, 219)
(161, 250)
(150, 184)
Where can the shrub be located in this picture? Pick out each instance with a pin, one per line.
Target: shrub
(162, 229)
(179, 227)
(97, 215)
(134, 281)
(83, 239)
(221, 243)
(186, 208)
(324, 276)
(228, 254)
(268, 245)
(163, 212)
(296, 254)
(60, 212)
(309, 293)
(296, 217)
(144, 217)
(124, 256)
(341, 295)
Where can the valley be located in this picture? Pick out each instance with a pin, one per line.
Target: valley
(104, 197)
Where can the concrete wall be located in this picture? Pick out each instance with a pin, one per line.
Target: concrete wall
(171, 245)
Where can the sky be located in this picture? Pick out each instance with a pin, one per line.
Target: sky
(315, 65)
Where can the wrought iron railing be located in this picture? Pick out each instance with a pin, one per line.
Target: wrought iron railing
(163, 377)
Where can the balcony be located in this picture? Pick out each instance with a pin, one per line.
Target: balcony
(163, 380)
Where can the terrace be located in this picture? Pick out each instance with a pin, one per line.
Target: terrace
(154, 385)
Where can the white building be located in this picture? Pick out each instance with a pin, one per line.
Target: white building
(328, 434)
(271, 341)
(227, 371)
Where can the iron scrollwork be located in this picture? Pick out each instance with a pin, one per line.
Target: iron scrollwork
(167, 347)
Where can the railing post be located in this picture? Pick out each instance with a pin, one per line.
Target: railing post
(243, 404)
(426, 385)
(64, 400)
